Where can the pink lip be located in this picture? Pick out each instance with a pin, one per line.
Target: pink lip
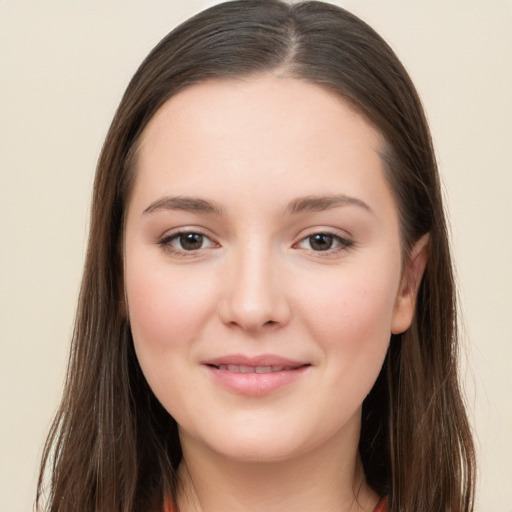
(259, 375)
(261, 360)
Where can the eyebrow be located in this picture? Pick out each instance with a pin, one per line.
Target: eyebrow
(188, 204)
(305, 204)
(319, 203)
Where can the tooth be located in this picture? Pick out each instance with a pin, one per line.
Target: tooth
(235, 368)
(263, 369)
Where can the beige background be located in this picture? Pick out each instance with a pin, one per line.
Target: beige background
(64, 65)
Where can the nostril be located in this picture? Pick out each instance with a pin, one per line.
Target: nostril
(252, 312)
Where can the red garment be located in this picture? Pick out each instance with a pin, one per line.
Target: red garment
(382, 506)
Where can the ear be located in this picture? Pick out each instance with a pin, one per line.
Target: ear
(411, 279)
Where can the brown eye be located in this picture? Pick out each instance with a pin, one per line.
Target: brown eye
(186, 242)
(321, 242)
(325, 242)
(190, 241)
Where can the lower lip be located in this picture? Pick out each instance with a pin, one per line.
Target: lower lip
(255, 384)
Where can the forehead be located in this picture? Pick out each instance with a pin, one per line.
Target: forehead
(265, 103)
(262, 138)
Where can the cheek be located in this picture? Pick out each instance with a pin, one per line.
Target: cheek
(167, 312)
(350, 317)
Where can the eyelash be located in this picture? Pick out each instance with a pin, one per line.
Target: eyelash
(343, 243)
(166, 241)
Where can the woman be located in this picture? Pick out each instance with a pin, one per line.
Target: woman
(267, 319)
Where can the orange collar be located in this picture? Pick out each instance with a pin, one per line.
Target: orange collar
(382, 506)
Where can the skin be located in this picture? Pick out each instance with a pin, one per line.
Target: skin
(258, 283)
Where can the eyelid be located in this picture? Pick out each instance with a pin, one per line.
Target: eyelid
(345, 241)
(169, 236)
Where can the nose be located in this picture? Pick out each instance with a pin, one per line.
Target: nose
(254, 296)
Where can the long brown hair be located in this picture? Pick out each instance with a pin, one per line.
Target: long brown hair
(112, 446)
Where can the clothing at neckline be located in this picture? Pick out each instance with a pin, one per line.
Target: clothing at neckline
(382, 506)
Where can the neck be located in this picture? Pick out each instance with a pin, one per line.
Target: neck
(317, 480)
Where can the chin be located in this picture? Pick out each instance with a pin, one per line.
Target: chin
(273, 441)
(262, 451)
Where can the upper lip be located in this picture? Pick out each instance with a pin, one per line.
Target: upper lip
(259, 360)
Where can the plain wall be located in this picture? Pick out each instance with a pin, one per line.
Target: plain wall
(63, 67)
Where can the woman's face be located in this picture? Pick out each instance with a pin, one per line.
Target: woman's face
(263, 266)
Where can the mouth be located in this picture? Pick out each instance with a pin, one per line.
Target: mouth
(255, 376)
(255, 369)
